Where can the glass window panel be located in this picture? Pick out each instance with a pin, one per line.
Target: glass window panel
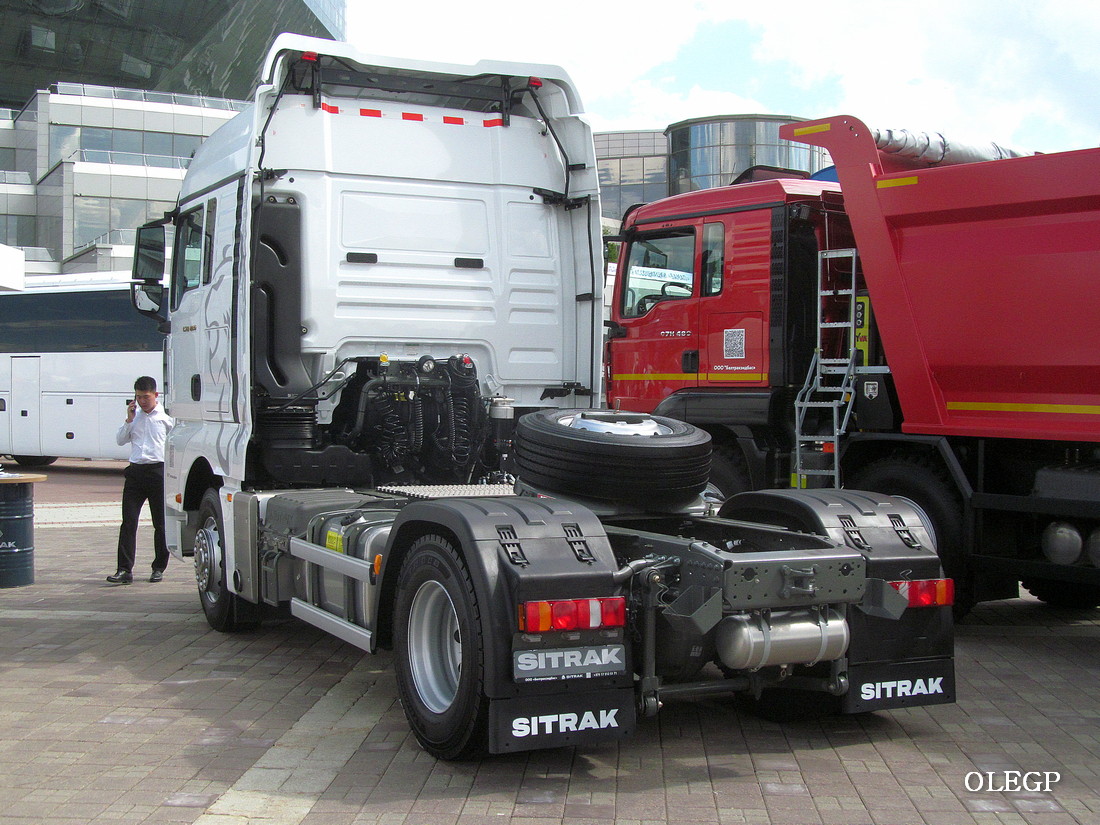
(183, 146)
(658, 269)
(126, 140)
(712, 263)
(64, 140)
(630, 170)
(92, 218)
(187, 263)
(94, 137)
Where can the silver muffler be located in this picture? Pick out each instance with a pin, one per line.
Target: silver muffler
(749, 641)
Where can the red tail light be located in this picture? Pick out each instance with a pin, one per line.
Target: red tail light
(572, 614)
(927, 592)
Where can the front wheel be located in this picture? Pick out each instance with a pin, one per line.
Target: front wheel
(218, 604)
(439, 652)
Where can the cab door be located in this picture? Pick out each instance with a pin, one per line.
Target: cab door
(736, 290)
(654, 341)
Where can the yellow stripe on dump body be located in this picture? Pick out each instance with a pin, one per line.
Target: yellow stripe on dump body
(812, 130)
(892, 182)
(993, 406)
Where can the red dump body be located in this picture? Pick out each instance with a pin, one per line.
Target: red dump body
(984, 280)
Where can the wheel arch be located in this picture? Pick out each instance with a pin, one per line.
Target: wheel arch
(444, 518)
(860, 451)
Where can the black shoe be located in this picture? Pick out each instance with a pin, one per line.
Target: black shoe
(157, 576)
(121, 577)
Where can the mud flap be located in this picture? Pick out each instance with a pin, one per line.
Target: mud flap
(532, 722)
(899, 685)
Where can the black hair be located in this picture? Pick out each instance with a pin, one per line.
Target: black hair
(145, 384)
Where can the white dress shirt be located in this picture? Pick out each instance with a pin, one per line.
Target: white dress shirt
(145, 435)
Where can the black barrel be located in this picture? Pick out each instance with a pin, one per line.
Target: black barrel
(16, 534)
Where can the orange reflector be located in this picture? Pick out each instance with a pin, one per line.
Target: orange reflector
(179, 498)
(378, 564)
(927, 592)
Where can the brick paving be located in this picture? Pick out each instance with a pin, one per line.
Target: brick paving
(120, 705)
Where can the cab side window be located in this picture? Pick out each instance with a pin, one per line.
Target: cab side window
(191, 264)
(659, 268)
(712, 263)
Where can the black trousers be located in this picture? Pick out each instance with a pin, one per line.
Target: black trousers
(144, 482)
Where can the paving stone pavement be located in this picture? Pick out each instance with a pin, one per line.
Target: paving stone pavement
(118, 704)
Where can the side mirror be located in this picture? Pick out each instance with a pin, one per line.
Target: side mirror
(149, 299)
(149, 253)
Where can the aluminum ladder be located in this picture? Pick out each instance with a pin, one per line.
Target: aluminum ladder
(830, 384)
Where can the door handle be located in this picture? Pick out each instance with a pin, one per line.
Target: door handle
(689, 361)
(196, 387)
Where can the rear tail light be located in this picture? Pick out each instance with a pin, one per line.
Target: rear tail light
(927, 592)
(572, 614)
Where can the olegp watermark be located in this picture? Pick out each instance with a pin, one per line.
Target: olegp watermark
(1011, 781)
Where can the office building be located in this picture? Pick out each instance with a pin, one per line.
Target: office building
(103, 102)
(701, 153)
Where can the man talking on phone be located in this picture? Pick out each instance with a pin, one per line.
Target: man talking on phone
(145, 430)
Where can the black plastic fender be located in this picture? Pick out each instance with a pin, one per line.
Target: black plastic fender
(893, 535)
(516, 549)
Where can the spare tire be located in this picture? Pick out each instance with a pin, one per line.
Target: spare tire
(629, 458)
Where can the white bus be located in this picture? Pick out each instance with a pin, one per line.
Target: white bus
(68, 359)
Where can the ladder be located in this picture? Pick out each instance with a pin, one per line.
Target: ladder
(830, 385)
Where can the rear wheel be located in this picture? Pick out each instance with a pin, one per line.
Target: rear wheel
(34, 460)
(439, 652)
(728, 470)
(926, 485)
(1069, 595)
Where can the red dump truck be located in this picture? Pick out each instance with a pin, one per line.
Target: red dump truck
(924, 328)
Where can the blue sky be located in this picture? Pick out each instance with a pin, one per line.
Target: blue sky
(1024, 74)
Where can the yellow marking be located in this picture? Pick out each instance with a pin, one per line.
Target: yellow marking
(656, 376)
(689, 376)
(892, 182)
(813, 130)
(737, 376)
(990, 406)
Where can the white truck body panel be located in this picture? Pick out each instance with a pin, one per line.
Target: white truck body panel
(457, 212)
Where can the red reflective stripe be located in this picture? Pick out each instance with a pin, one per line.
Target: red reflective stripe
(371, 112)
(411, 116)
(328, 107)
(495, 122)
(454, 121)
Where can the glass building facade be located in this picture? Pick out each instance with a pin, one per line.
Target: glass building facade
(209, 48)
(638, 167)
(103, 102)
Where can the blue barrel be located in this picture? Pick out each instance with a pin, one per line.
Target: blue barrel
(16, 534)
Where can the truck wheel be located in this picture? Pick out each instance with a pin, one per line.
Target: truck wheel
(439, 653)
(34, 460)
(217, 602)
(623, 457)
(728, 470)
(929, 488)
(1069, 595)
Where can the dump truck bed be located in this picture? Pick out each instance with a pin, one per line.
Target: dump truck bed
(983, 279)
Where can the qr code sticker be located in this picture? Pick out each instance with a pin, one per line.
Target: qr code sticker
(733, 343)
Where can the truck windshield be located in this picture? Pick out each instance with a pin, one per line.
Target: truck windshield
(658, 269)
